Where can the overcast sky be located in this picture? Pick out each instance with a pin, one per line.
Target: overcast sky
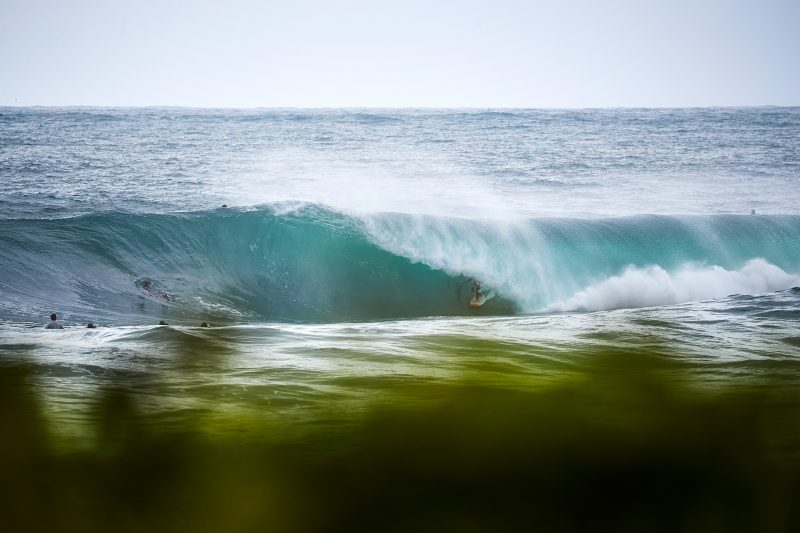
(400, 53)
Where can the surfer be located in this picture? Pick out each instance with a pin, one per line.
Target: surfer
(476, 289)
(479, 294)
(54, 323)
(147, 285)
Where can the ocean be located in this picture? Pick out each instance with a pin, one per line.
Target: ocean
(332, 254)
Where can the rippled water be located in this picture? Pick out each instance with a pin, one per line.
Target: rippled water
(59, 162)
(297, 375)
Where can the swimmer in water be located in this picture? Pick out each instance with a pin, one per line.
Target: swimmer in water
(54, 323)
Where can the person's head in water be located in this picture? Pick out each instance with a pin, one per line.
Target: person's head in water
(162, 323)
(204, 325)
(54, 324)
(90, 325)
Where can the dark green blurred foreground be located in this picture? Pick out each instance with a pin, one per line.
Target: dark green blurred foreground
(620, 447)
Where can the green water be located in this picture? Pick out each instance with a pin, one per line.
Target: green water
(632, 421)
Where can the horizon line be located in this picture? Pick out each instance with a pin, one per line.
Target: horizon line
(397, 108)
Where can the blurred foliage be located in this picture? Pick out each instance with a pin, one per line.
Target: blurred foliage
(621, 448)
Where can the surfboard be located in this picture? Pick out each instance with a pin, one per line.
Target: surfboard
(485, 296)
(477, 301)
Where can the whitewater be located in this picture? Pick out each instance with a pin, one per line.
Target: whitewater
(331, 250)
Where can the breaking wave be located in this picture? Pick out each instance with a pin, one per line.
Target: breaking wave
(309, 263)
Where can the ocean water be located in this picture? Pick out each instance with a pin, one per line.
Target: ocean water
(337, 276)
(342, 221)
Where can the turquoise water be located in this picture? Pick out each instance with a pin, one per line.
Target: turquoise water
(314, 264)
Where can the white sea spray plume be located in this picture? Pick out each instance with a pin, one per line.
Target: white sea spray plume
(653, 285)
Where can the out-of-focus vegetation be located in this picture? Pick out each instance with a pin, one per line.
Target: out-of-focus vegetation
(622, 448)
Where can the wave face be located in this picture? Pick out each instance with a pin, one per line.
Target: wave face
(313, 264)
(587, 265)
(307, 265)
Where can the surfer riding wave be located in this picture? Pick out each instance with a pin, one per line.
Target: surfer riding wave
(476, 290)
(479, 294)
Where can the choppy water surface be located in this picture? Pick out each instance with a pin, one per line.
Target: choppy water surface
(299, 374)
(534, 163)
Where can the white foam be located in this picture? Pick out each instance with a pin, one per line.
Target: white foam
(497, 253)
(651, 286)
(413, 181)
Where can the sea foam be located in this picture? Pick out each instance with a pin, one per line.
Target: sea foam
(653, 285)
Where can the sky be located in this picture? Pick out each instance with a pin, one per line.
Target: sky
(400, 53)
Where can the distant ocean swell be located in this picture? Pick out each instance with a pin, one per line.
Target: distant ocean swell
(314, 264)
